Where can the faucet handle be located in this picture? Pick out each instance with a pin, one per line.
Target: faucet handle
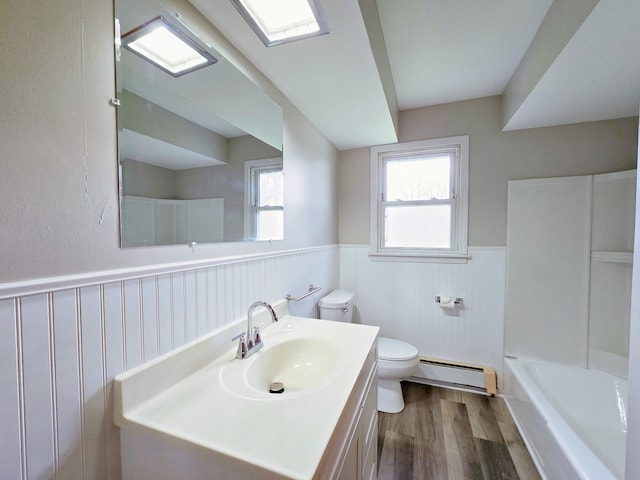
(242, 345)
(256, 334)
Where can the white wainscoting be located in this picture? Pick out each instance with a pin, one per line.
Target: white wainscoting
(62, 341)
(399, 297)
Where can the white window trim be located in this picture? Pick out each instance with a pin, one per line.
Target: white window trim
(249, 217)
(454, 255)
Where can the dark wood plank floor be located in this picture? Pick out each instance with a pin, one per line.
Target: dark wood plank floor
(445, 434)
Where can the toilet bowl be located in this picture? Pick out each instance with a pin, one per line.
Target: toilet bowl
(397, 360)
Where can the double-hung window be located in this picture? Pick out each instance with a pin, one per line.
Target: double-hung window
(419, 200)
(265, 202)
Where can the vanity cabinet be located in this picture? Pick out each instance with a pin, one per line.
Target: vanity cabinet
(353, 450)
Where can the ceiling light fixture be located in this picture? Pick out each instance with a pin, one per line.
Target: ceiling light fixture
(282, 21)
(167, 47)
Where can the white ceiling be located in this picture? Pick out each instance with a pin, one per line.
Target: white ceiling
(445, 51)
(596, 76)
(442, 52)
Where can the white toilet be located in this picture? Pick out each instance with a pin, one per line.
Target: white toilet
(397, 360)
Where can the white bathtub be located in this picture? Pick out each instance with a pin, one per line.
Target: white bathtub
(572, 419)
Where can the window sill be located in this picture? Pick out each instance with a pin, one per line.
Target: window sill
(419, 257)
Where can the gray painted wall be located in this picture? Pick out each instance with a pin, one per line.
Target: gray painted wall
(494, 158)
(59, 182)
(145, 180)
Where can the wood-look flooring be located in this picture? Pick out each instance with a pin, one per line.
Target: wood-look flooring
(445, 434)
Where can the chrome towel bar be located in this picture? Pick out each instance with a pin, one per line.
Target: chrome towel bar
(309, 291)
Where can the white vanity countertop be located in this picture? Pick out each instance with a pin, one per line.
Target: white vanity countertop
(212, 408)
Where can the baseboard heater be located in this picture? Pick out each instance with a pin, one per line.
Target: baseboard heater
(457, 374)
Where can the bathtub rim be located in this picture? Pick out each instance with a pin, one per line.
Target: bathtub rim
(586, 464)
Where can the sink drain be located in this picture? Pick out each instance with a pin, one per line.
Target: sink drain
(276, 387)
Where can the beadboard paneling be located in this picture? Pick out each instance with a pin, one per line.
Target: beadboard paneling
(67, 385)
(61, 349)
(38, 374)
(93, 378)
(11, 407)
(149, 290)
(399, 297)
(164, 318)
(113, 344)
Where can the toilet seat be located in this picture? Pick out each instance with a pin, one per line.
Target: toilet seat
(394, 350)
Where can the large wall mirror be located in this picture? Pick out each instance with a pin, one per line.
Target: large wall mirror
(200, 153)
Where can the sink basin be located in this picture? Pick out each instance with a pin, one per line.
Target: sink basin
(298, 364)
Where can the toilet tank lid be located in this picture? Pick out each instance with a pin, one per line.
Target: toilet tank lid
(336, 299)
(392, 349)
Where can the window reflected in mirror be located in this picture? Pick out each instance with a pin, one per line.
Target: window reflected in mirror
(266, 200)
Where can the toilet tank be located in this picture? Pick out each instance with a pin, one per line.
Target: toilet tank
(337, 306)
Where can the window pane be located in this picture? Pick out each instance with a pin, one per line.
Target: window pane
(418, 226)
(423, 178)
(270, 225)
(271, 188)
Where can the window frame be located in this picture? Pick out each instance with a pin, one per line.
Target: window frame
(458, 250)
(250, 195)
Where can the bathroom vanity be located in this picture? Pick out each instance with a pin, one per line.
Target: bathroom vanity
(199, 412)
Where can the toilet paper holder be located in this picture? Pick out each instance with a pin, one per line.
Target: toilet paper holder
(457, 301)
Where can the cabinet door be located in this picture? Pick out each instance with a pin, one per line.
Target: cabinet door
(369, 427)
(351, 466)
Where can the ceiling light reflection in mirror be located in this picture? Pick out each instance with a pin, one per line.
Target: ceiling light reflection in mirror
(167, 47)
(184, 140)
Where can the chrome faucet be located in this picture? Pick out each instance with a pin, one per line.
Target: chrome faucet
(250, 341)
